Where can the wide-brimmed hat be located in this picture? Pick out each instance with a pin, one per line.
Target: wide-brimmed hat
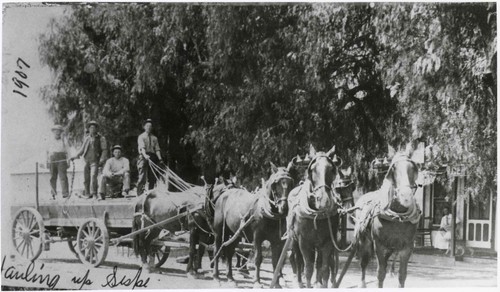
(57, 128)
(147, 121)
(92, 123)
(116, 147)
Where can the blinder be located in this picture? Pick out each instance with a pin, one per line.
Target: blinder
(314, 189)
(280, 174)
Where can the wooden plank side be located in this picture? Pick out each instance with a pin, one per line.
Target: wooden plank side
(120, 212)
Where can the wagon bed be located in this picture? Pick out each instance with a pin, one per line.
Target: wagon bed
(118, 212)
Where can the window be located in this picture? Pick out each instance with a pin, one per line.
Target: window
(479, 209)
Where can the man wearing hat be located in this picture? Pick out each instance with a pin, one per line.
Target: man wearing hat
(116, 171)
(149, 150)
(57, 155)
(95, 152)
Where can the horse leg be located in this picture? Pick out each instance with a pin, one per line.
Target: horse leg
(365, 251)
(218, 246)
(199, 258)
(211, 257)
(149, 253)
(404, 256)
(257, 245)
(277, 248)
(383, 255)
(324, 271)
(297, 263)
(308, 254)
(319, 264)
(193, 240)
(393, 265)
(333, 263)
(143, 253)
(229, 261)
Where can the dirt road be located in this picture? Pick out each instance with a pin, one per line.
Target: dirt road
(58, 268)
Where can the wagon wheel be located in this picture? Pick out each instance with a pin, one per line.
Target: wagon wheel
(161, 254)
(92, 242)
(28, 233)
(72, 247)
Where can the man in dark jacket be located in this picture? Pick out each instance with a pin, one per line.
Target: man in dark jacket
(95, 152)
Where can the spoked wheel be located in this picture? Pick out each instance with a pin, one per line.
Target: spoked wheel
(92, 242)
(28, 233)
(161, 254)
(72, 247)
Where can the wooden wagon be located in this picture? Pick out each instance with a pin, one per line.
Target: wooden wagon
(88, 226)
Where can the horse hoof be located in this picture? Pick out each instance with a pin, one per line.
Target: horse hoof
(301, 285)
(278, 286)
(257, 285)
(362, 285)
(318, 285)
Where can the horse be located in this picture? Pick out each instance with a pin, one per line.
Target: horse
(313, 218)
(155, 206)
(200, 225)
(259, 216)
(387, 219)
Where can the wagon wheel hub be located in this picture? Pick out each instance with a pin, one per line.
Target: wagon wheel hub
(89, 243)
(26, 237)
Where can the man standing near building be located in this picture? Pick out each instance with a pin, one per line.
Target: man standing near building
(95, 152)
(149, 151)
(115, 172)
(57, 161)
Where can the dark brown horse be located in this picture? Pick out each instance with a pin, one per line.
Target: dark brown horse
(156, 206)
(264, 215)
(200, 225)
(313, 218)
(387, 219)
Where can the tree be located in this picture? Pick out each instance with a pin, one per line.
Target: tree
(234, 87)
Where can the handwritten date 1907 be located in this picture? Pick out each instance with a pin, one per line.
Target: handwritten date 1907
(136, 282)
(21, 84)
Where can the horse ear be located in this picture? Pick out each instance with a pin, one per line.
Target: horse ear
(273, 167)
(391, 152)
(331, 151)
(312, 151)
(292, 163)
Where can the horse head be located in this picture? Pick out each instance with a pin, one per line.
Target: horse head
(321, 172)
(279, 186)
(402, 174)
(345, 186)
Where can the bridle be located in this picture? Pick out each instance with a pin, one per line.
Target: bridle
(404, 158)
(275, 200)
(329, 189)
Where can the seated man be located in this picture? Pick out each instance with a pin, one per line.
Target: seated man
(116, 171)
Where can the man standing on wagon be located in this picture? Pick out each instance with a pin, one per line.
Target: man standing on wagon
(149, 151)
(57, 161)
(95, 152)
